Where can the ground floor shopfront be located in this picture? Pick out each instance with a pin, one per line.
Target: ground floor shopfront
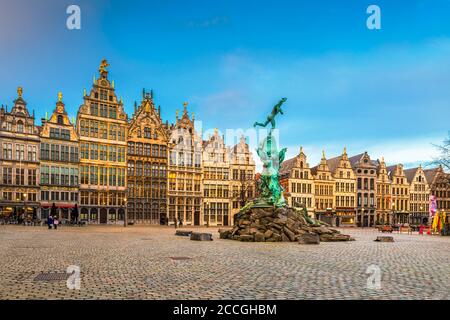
(365, 217)
(102, 215)
(414, 218)
(384, 217)
(345, 217)
(19, 210)
(63, 211)
(147, 211)
(185, 210)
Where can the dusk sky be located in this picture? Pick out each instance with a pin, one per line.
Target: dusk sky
(383, 91)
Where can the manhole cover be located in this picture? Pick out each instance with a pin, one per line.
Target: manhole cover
(51, 276)
(180, 258)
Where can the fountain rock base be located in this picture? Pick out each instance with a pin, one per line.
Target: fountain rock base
(283, 224)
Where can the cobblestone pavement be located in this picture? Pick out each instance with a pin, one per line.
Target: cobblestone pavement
(136, 263)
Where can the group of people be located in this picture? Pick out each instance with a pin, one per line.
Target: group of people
(52, 222)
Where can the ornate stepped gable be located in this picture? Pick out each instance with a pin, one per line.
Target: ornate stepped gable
(148, 116)
(102, 89)
(322, 169)
(240, 153)
(18, 115)
(59, 117)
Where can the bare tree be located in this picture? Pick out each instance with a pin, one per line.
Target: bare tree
(246, 191)
(444, 157)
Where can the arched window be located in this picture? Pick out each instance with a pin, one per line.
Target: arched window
(19, 126)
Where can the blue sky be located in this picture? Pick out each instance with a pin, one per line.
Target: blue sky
(385, 91)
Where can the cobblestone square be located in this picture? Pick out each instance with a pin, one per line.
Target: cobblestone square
(152, 263)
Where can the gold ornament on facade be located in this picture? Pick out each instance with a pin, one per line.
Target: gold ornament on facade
(19, 92)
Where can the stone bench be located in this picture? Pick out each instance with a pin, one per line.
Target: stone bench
(183, 233)
(197, 236)
(384, 239)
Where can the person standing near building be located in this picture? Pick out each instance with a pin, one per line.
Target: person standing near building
(55, 223)
(50, 222)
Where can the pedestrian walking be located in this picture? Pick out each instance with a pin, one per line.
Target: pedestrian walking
(175, 222)
(55, 223)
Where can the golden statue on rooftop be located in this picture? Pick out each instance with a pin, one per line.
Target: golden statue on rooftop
(103, 65)
(19, 92)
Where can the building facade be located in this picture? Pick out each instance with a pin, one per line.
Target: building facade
(366, 176)
(384, 195)
(419, 196)
(344, 190)
(242, 176)
(185, 172)
(439, 183)
(19, 161)
(216, 181)
(324, 185)
(102, 129)
(298, 183)
(59, 161)
(400, 194)
(147, 157)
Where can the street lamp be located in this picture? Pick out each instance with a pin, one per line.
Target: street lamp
(362, 217)
(24, 203)
(421, 215)
(393, 211)
(126, 212)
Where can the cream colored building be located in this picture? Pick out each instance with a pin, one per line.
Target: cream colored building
(298, 182)
(102, 128)
(242, 176)
(419, 195)
(216, 182)
(400, 193)
(185, 172)
(19, 161)
(384, 195)
(344, 190)
(59, 164)
(324, 186)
